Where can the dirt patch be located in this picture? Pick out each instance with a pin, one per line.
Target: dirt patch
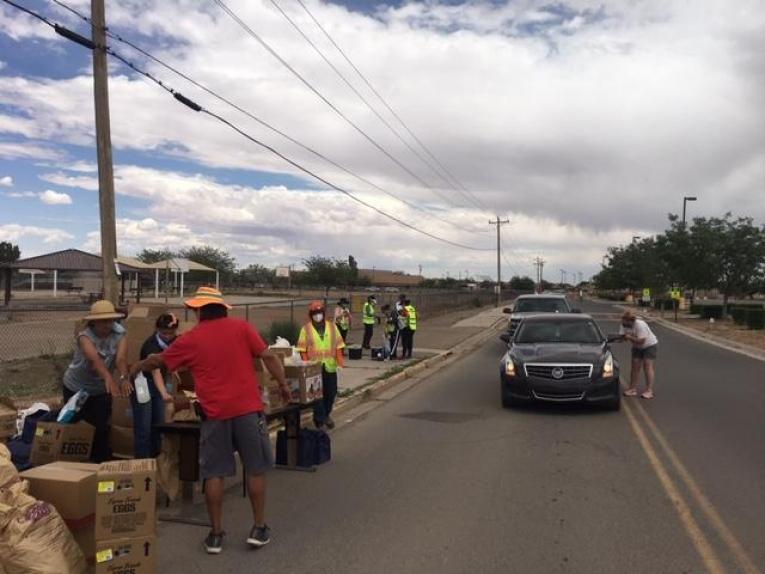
(727, 329)
(33, 378)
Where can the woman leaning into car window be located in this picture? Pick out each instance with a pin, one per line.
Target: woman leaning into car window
(644, 347)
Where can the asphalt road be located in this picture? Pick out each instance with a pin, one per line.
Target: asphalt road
(442, 479)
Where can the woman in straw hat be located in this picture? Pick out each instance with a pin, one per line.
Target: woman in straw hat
(101, 347)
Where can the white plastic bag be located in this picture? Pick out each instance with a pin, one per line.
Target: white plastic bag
(281, 343)
(26, 412)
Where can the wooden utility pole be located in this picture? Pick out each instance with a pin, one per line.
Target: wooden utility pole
(499, 225)
(540, 264)
(104, 149)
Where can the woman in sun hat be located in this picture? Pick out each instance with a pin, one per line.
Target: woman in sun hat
(101, 348)
(219, 351)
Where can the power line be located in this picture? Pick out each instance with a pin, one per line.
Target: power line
(262, 122)
(197, 108)
(363, 99)
(390, 108)
(242, 24)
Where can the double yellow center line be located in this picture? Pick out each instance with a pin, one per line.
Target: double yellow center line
(699, 539)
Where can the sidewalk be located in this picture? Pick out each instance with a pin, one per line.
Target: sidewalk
(433, 337)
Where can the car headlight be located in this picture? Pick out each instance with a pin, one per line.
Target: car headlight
(509, 367)
(608, 365)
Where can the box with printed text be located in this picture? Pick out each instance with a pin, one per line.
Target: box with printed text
(56, 441)
(126, 499)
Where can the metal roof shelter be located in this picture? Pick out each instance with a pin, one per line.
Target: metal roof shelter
(179, 267)
(65, 260)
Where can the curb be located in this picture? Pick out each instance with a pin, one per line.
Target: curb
(733, 346)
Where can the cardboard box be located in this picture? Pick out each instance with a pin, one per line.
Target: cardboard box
(126, 499)
(304, 382)
(71, 488)
(8, 416)
(122, 441)
(56, 441)
(272, 398)
(281, 352)
(127, 556)
(122, 412)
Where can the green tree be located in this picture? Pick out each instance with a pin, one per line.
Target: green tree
(9, 253)
(211, 257)
(254, 274)
(522, 283)
(155, 255)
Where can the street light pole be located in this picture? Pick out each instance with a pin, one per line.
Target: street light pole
(686, 199)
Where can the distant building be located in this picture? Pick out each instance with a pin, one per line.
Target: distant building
(384, 278)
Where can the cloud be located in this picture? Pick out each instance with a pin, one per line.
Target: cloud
(585, 120)
(15, 232)
(51, 197)
(21, 194)
(28, 151)
(82, 182)
(6, 181)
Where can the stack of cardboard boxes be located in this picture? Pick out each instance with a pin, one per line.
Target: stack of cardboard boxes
(110, 509)
(304, 381)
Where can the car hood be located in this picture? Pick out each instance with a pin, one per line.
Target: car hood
(558, 352)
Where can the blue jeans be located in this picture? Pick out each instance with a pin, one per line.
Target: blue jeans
(145, 416)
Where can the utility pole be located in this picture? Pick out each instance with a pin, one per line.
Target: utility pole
(499, 223)
(562, 277)
(104, 150)
(540, 264)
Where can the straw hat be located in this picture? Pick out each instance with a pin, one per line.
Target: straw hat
(206, 296)
(101, 310)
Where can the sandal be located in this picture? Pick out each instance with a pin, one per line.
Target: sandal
(630, 393)
(647, 395)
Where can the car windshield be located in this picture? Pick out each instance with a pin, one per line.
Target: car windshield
(558, 332)
(552, 305)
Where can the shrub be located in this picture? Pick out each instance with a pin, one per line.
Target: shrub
(477, 302)
(755, 318)
(739, 315)
(711, 312)
(286, 329)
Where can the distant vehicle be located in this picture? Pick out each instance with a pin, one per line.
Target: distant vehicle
(532, 304)
(560, 358)
(373, 289)
(391, 290)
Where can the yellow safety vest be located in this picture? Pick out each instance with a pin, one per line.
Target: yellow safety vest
(369, 314)
(343, 321)
(412, 317)
(321, 348)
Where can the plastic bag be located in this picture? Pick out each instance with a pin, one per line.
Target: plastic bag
(30, 411)
(72, 407)
(281, 343)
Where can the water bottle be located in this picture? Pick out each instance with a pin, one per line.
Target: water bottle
(142, 394)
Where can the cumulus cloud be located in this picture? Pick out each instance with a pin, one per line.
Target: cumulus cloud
(51, 197)
(585, 120)
(15, 232)
(6, 181)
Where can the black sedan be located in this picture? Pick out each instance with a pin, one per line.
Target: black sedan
(560, 358)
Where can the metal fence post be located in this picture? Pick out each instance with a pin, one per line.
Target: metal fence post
(247, 312)
(292, 311)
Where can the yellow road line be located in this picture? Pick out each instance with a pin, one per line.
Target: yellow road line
(709, 510)
(699, 540)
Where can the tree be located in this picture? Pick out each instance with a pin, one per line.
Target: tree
(257, 274)
(522, 283)
(155, 255)
(211, 257)
(9, 253)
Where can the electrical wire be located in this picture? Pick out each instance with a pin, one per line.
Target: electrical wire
(242, 24)
(364, 100)
(197, 108)
(262, 122)
(475, 199)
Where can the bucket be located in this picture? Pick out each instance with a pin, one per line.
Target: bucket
(378, 353)
(354, 353)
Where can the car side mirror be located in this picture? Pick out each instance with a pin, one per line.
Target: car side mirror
(614, 337)
(576, 310)
(505, 337)
(508, 310)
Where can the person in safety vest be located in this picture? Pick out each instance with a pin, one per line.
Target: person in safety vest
(368, 318)
(408, 331)
(343, 318)
(320, 340)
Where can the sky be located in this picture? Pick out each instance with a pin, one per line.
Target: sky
(582, 122)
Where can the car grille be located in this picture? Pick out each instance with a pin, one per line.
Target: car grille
(558, 398)
(566, 371)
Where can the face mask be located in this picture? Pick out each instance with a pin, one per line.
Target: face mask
(626, 325)
(318, 317)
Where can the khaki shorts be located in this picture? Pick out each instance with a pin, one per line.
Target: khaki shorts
(246, 434)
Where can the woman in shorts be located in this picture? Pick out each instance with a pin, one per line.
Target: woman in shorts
(644, 347)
